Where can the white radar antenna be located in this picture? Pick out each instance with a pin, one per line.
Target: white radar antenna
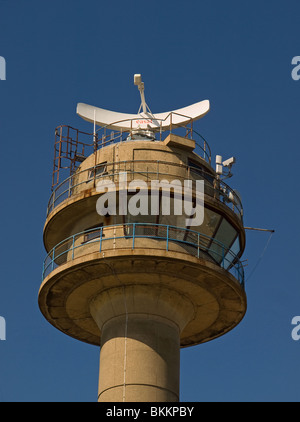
(144, 120)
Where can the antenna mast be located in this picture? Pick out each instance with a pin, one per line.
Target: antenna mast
(141, 87)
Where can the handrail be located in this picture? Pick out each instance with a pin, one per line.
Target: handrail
(218, 188)
(191, 242)
(114, 138)
(69, 141)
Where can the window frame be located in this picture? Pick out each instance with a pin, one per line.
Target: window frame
(87, 238)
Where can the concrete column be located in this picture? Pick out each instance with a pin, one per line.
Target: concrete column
(140, 343)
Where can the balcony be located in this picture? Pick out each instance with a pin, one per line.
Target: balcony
(135, 236)
(145, 170)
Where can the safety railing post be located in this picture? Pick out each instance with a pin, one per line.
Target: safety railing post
(69, 188)
(133, 235)
(73, 243)
(101, 235)
(53, 255)
(222, 256)
(198, 254)
(242, 275)
(167, 238)
(238, 271)
(53, 200)
(43, 273)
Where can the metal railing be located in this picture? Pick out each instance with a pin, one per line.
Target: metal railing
(72, 146)
(148, 170)
(105, 135)
(133, 236)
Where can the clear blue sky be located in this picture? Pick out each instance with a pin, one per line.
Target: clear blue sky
(238, 55)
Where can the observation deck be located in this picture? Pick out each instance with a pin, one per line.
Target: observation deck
(77, 239)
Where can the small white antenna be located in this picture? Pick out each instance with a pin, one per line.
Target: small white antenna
(141, 87)
(219, 167)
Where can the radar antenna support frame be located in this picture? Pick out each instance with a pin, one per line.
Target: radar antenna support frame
(141, 87)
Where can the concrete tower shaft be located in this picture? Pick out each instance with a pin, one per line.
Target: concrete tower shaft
(140, 342)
